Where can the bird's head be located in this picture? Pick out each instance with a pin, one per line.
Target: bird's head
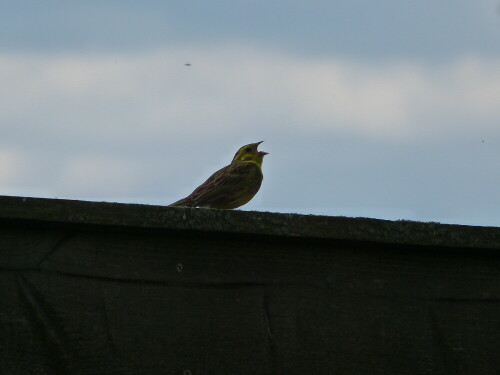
(249, 153)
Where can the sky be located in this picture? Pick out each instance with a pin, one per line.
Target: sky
(386, 109)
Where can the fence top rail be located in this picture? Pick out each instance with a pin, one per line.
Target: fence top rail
(63, 211)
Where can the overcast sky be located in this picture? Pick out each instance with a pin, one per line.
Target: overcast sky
(386, 109)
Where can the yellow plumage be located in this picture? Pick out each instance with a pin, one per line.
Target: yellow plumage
(232, 186)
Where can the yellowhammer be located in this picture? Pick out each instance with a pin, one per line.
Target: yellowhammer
(232, 186)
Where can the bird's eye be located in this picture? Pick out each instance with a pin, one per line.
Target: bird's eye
(248, 149)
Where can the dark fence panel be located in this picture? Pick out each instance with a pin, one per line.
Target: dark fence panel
(103, 298)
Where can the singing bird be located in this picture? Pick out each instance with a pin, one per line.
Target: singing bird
(232, 186)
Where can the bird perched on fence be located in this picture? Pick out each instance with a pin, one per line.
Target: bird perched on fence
(232, 186)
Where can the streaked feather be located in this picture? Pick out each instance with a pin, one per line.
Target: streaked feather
(231, 186)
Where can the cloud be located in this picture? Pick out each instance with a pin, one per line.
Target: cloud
(146, 125)
(156, 95)
(101, 175)
(12, 166)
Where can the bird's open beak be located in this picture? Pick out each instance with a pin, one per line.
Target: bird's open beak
(261, 153)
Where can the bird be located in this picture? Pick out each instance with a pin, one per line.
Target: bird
(232, 186)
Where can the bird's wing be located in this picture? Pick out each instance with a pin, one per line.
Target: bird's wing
(226, 183)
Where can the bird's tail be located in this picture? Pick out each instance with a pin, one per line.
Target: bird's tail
(184, 202)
